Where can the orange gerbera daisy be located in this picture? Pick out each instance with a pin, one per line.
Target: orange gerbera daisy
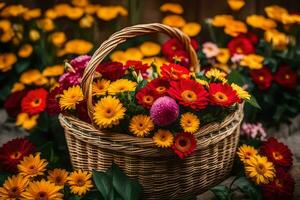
(222, 94)
(173, 71)
(35, 101)
(189, 93)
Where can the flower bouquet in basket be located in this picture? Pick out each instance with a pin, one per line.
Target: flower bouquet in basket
(150, 115)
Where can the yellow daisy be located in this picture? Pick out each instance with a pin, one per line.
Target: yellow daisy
(171, 7)
(259, 169)
(245, 152)
(32, 166)
(189, 122)
(55, 70)
(108, 112)
(216, 74)
(25, 51)
(223, 55)
(253, 61)
(17, 87)
(191, 29)
(174, 21)
(163, 138)
(242, 94)
(133, 54)
(70, 97)
(13, 187)
(121, 85)
(80, 182)
(150, 48)
(141, 125)
(58, 176)
(100, 87)
(42, 190)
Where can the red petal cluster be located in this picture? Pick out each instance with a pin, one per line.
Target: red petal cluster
(184, 144)
(222, 94)
(262, 78)
(35, 101)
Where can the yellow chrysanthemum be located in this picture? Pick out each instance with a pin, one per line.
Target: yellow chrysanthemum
(76, 46)
(259, 21)
(7, 60)
(288, 19)
(216, 74)
(87, 21)
(174, 21)
(108, 112)
(221, 20)
(91, 9)
(278, 39)
(13, 187)
(34, 35)
(108, 13)
(189, 122)
(118, 56)
(141, 125)
(17, 87)
(163, 138)
(80, 182)
(80, 3)
(202, 82)
(235, 28)
(242, 94)
(223, 55)
(26, 121)
(133, 54)
(32, 166)
(245, 152)
(13, 11)
(275, 12)
(191, 29)
(55, 70)
(25, 51)
(259, 169)
(42, 190)
(100, 87)
(58, 38)
(171, 7)
(58, 176)
(70, 97)
(236, 4)
(46, 24)
(74, 13)
(32, 14)
(150, 48)
(30, 76)
(121, 85)
(253, 61)
(6, 29)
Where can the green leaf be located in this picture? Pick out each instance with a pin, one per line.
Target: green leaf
(141, 85)
(3, 177)
(221, 192)
(104, 184)
(4, 92)
(21, 66)
(252, 101)
(47, 152)
(248, 188)
(235, 77)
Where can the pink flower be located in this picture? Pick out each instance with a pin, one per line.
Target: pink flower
(53, 107)
(253, 131)
(80, 62)
(69, 79)
(210, 49)
(236, 58)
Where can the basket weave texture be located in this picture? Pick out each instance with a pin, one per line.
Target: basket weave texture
(161, 173)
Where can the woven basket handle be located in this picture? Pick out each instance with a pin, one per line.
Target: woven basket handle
(121, 36)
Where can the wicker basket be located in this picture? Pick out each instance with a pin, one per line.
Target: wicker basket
(162, 174)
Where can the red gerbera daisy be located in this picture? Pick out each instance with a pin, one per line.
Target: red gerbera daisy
(146, 96)
(12, 152)
(189, 93)
(286, 77)
(281, 188)
(181, 57)
(262, 78)
(35, 101)
(278, 153)
(251, 36)
(53, 107)
(240, 45)
(138, 67)
(160, 86)
(171, 46)
(184, 144)
(111, 70)
(173, 71)
(12, 104)
(82, 113)
(222, 94)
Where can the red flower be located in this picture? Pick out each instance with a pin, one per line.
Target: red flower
(146, 96)
(53, 107)
(12, 152)
(251, 36)
(184, 144)
(35, 101)
(160, 86)
(180, 57)
(222, 94)
(286, 77)
(138, 67)
(81, 110)
(170, 47)
(174, 72)
(12, 104)
(189, 93)
(281, 188)
(240, 45)
(195, 44)
(111, 70)
(262, 78)
(278, 153)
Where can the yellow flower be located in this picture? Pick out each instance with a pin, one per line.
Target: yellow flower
(2, 4)
(278, 39)
(157, 61)
(121, 85)
(189, 122)
(236, 4)
(32, 166)
(108, 13)
(141, 125)
(55, 70)
(224, 67)
(214, 73)
(221, 20)
(163, 138)
(108, 112)
(13, 187)
(223, 55)
(252, 61)
(191, 29)
(26, 121)
(41, 81)
(17, 87)
(42, 190)
(77, 46)
(32, 14)
(171, 7)
(100, 87)
(34, 35)
(80, 182)
(118, 56)
(242, 94)
(58, 38)
(275, 12)
(174, 21)
(91, 9)
(30, 76)
(202, 82)
(7, 60)
(290, 18)
(150, 48)
(13, 11)
(6, 31)
(74, 13)
(62, 9)
(245, 152)
(46, 24)
(70, 98)
(51, 14)
(259, 169)
(133, 54)
(80, 3)
(58, 176)
(259, 21)
(234, 28)
(86, 22)
(25, 51)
